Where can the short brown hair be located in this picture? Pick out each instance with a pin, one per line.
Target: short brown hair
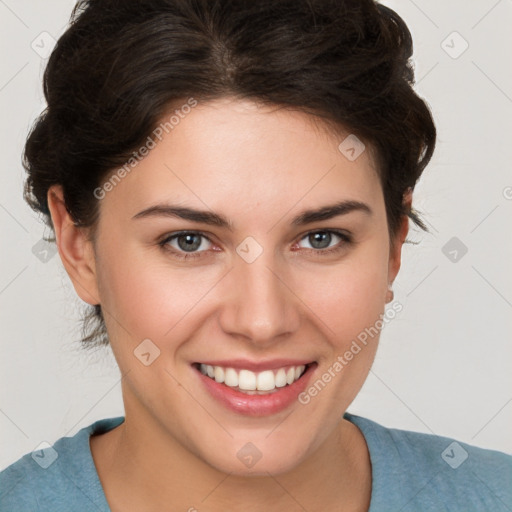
(122, 63)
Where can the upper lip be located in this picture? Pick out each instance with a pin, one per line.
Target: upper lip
(256, 366)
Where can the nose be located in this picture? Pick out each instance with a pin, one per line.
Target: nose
(258, 303)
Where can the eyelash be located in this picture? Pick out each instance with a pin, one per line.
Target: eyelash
(345, 240)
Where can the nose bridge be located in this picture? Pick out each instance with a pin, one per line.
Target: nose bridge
(261, 307)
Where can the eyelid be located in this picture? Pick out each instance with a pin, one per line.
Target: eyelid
(336, 231)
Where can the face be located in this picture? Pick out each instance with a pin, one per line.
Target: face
(254, 292)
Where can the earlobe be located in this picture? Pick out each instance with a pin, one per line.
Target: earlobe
(75, 250)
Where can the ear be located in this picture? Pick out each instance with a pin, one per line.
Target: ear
(395, 255)
(75, 250)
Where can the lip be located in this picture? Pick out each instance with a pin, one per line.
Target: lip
(256, 405)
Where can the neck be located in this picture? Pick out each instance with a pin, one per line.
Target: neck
(140, 466)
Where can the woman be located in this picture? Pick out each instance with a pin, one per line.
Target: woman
(230, 185)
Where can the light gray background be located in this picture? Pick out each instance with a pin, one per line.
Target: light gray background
(443, 365)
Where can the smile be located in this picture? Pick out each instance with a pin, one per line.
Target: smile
(255, 389)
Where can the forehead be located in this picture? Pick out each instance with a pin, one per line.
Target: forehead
(234, 155)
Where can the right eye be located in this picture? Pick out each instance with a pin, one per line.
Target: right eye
(186, 244)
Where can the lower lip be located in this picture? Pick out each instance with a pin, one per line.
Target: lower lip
(257, 405)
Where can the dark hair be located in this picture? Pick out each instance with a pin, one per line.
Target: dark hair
(123, 64)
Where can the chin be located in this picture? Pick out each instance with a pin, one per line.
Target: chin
(258, 458)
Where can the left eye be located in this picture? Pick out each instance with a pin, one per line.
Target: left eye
(321, 240)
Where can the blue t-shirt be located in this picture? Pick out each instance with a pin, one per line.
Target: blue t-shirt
(411, 472)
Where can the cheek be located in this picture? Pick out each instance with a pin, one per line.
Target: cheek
(348, 297)
(350, 304)
(148, 297)
(133, 291)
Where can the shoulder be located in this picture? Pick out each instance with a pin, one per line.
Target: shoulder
(60, 477)
(430, 472)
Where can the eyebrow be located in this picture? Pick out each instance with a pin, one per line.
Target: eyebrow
(215, 219)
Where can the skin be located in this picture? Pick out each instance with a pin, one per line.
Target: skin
(259, 167)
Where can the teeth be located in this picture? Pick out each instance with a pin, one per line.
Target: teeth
(266, 381)
(246, 380)
(280, 378)
(231, 378)
(218, 373)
